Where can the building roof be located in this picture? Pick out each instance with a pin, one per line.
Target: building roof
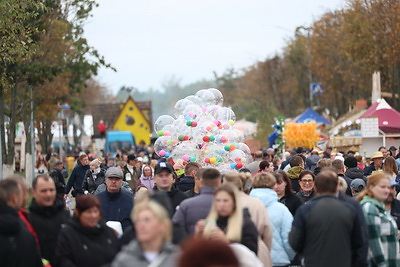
(109, 113)
(389, 118)
(311, 115)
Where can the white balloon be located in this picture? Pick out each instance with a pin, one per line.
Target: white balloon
(206, 96)
(219, 98)
(162, 121)
(180, 106)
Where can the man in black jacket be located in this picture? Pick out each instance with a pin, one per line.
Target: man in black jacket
(187, 182)
(164, 181)
(334, 220)
(47, 214)
(376, 165)
(17, 245)
(58, 178)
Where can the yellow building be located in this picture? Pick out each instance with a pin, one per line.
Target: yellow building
(131, 118)
(128, 116)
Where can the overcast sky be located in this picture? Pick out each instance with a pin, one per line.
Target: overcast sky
(149, 41)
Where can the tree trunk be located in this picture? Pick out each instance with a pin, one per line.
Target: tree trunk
(3, 139)
(11, 135)
(45, 135)
(27, 125)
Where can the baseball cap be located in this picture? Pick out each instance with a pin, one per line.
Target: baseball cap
(163, 166)
(392, 148)
(357, 184)
(114, 172)
(139, 159)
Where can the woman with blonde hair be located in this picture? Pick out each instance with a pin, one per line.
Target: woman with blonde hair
(281, 218)
(152, 246)
(381, 227)
(227, 221)
(258, 214)
(390, 168)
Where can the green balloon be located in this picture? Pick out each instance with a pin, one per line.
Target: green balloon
(160, 133)
(189, 123)
(219, 159)
(212, 138)
(227, 148)
(181, 138)
(192, 159)
(169, 142)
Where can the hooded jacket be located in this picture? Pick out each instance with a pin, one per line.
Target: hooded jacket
(17, 245)
(84, 246)
(281, 221)
(354, 173)
(47, 222)
(147, 181)
(294, 173)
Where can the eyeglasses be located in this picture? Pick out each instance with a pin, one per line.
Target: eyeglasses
(307, 181)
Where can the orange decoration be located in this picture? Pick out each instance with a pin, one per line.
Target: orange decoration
(301, 134)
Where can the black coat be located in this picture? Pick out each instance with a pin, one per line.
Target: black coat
(17, 245)
(81, 246)
(292, 202)
(185, 183)
(328, 232)
(249, 237)
(59, 180)
(175, 196)
(47, 223)
(76, 179)
(90, 184)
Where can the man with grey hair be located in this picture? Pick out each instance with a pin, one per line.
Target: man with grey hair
(116, 204)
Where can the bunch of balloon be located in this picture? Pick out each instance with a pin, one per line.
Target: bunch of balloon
(201, 131)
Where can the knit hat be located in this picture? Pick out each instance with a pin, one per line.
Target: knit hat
(350, 162)
(96, 163)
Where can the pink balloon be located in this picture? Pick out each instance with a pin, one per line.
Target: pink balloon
(186, 157)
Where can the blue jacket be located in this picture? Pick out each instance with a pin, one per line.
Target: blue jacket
(281, 220)
(116, 207)
(76, 179)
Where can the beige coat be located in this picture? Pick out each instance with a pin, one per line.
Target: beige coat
(259, 216)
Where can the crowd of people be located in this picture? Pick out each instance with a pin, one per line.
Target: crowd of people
(306, 208)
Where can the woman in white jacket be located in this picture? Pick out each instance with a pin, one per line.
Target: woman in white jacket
(280, 216)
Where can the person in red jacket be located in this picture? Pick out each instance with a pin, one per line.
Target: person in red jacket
(102, 129)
